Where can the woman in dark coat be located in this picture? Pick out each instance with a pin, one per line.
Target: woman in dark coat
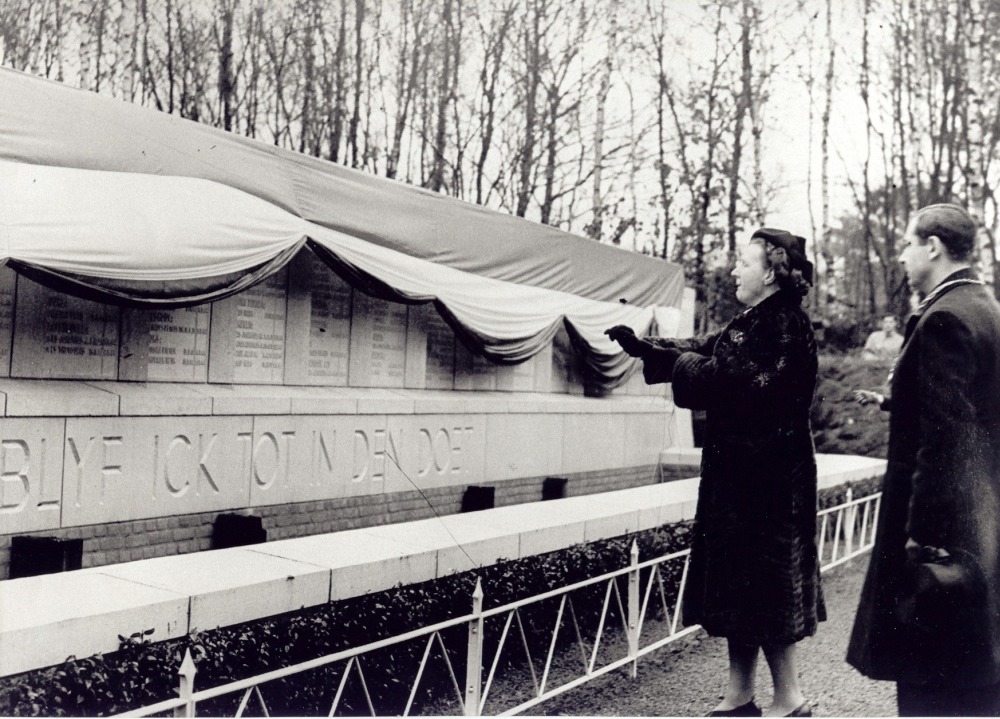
(754, 572)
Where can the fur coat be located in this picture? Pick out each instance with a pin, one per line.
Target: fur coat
(754, 573)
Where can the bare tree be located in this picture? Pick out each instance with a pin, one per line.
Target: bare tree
(226, 9)
(495, 36)
(534, 22)
(595, 228)
(743, 102)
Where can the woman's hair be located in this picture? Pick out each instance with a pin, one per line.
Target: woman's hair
(784, 253)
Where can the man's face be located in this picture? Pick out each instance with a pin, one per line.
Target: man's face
(915, 258)
(888, 325)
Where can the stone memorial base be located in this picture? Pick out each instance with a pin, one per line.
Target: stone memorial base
(83, 612)
(141, 470)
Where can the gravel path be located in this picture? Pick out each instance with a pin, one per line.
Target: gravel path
(686, 679)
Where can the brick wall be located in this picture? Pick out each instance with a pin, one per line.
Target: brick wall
(142, 539)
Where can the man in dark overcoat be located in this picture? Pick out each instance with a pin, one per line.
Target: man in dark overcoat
(929, 615)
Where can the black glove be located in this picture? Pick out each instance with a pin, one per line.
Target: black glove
(618, 331)
(632, 345)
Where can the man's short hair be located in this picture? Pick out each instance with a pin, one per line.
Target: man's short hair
(952, 225)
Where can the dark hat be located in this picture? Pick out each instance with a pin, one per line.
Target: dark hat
(794, 247)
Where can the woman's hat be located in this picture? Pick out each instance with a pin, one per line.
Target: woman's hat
(794, 247)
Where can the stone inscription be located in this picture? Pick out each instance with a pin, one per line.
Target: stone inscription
(119, 469)
(440, 352)
(258, 345)
(438, 451)
(308, 458)
(165, 345)
(30, 474)
(8, 281)
(135, 468)
(378, 343)
(473, 371)
(60, 336)
(329, 326)
(247, 337)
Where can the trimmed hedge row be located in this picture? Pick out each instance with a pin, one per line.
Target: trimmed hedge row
(143, 673)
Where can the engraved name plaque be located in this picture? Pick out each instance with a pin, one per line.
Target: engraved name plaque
(60, 336)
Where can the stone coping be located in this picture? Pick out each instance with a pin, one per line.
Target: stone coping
(832, 469)
(45, 619)
(93, 398)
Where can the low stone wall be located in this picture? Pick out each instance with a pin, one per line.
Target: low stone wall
(83, 612)
(116, 542)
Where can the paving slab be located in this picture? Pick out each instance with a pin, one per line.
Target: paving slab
(229, 586)
(463, 542)
(44, 620)
(357, 562)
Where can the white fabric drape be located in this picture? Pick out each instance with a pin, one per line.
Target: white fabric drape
(128, 205)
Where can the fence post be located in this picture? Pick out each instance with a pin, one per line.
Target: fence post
(849, 524)
(633, 610)
(185, 686)
(474, 665)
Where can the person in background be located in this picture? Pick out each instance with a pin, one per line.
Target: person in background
(929, 613)
(754, 572)
(883, 344)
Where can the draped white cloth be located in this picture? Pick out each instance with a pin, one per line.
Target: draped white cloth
(124, 204)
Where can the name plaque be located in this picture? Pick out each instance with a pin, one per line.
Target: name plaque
(319, 324)
(63, 337)
(430, 350)
(8, 283)
(378, 343)
(165, 345)
(248, 334)
(473, 371)
(518, 377)
(440, 352)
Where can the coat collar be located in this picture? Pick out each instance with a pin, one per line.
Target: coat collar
(965, 276)
(780, 298)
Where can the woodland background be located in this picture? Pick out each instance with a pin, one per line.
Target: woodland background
(671, 127)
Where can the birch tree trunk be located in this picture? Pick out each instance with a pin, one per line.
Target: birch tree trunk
(526, 158)
(742, 106)
(976, 156)
(607, 67)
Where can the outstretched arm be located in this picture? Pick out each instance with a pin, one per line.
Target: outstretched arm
(659, 360)
(746, 365)
(703, 345)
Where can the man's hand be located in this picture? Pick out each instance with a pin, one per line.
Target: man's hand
(917, 552)
(632, 345)
(864, 396)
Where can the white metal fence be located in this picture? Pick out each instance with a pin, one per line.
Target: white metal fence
(845, 531)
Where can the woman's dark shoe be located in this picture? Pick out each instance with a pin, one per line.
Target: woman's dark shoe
(802, 710)
(750, 709)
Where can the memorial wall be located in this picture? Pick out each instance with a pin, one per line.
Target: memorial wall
(297, 390)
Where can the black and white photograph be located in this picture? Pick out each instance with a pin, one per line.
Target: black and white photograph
(626, 358)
